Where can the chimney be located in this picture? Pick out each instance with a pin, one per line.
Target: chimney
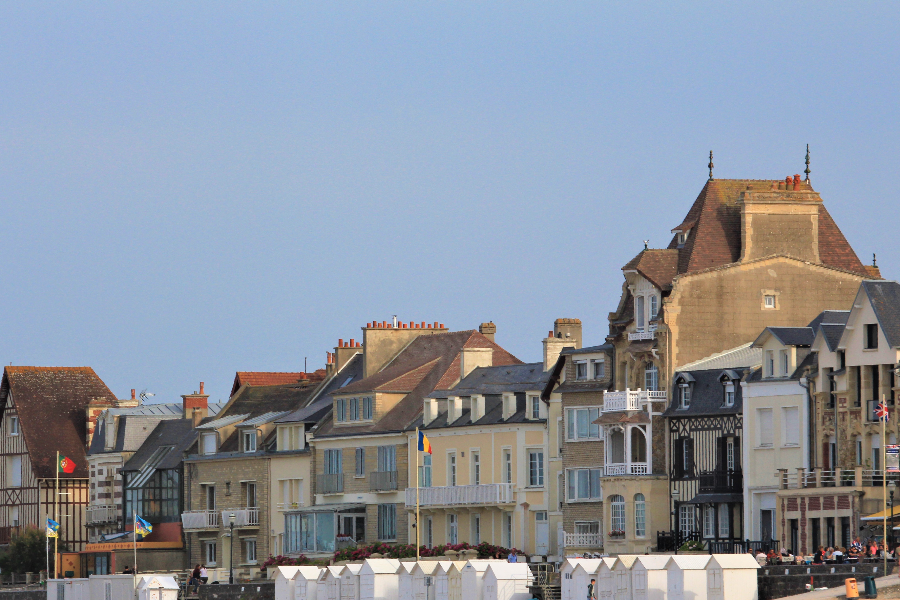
(382, 342)
(472, 358)
(488, 330)
(568, 329)
(430, 411)
(782, 220)
(133, 397)
(553, 347)
(195, 406)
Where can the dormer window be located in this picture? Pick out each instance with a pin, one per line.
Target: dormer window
(770, 363)
(599, 368)
(534, 403)
(581, 370)
(639, 312)
(683, 236)
(654, 307)
(785, 363)
(208, 443)
(249, 441)
(353, 409)
(729, 392)
(684, 395)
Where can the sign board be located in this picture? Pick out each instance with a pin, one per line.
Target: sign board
(892, 459)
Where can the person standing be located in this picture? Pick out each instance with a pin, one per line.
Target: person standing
(592, 590)
(204, 574)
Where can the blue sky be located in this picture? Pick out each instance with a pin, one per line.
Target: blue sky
(192, 189)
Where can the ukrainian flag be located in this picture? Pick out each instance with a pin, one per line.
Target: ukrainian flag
(52, 528)
(424, 444)
(142, 527)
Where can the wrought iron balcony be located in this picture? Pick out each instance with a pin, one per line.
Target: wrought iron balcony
(330, 483)
(490, 494)
(102, 514)
(200, 519)
(630, 399)
(383, 481)
(721, 481)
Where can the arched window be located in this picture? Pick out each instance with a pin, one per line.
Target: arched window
(617, 513)
(640, 516)
(651, 377)
(638, 445)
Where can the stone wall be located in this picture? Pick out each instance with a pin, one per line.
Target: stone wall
(23, 594)
(773, 583)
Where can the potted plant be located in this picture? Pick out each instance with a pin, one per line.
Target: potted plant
(617, 534)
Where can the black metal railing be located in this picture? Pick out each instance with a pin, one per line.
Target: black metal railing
(724, 481)
(669, 541)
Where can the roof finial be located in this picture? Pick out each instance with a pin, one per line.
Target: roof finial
(807, 164)
(710, 166)
(645, 244)
(874, 262)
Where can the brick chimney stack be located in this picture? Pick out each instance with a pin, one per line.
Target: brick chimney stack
(488, 330)
(195, 406)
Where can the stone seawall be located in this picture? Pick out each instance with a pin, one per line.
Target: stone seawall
(774, 583)
(238, 591)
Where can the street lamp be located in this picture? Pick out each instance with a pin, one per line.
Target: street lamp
(891, 484)
(231, 549)
(675, 494)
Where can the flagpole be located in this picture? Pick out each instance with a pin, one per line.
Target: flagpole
(884, 478)
(56, 518)
(417, 495)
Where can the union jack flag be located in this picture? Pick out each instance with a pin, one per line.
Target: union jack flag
(881, 412)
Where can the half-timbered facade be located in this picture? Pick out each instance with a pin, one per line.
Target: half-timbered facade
(46, 410)
(705, 423)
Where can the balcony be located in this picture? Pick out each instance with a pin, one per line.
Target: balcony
(330, 483)
(613, 469)
(243, 517)
(590, 541)
(721, 482)
(630, 399)
(200, 519)
(383, 481)
(460, 495)
(102, 514)
(643, 334)
(857, 477)
(283, 506)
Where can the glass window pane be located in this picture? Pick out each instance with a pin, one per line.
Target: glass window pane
(584, 484)
(595, 483)
(593, 415)
(583, 424)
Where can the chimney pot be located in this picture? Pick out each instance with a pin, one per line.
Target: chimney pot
(423, 324)
(352, 342)
(384, 324)
(201, 388)
(340, 342)
(132, 395)
(368, 325)
(442, 326)
(549, 334)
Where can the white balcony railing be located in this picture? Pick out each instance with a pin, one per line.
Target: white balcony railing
(282, 506)
(487, 494)
(200, 519)
(626, 469)
(643, 334)
(584, 540)
(630, 399)
(243, 517)
(102, 514)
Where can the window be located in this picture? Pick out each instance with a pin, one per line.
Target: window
(724, 524)
(785, 362)
(769, 301)
(639, 312)
(871, 336)
(451, 468)
(729, 393)
(599, 368)
(764, 426)
(208, 443)
(367, 408)
(684, 395)
(790, 417)
(14, 425)
(535, 468)
(476, 529)
(251, 495)
(429, 532)
(333, 462)
(508, 529)
(580, 370)
(654, 307)
(354, 410)
(859, 450)
(770, 363)
(387, 458)
(617, 513)
(709, 521)
(209, 552)
(291, 493)
(15, 471)
(249, 551)
(476, 468)
(651, 377)
(640, 516)
(580, 424)
(876, 453)
(730, 454)
(686, 518)
(584, 484)
(452, 529)
(832, 452)
(842, 359)
(535, 407)
(249, 441)
(587, 527)
(361, 462)
(210, 497)
(387, 522)
(684, 458)
(425, 480)
(339, 410)
(507, 467)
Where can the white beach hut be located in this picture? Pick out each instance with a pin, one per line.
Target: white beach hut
(404, 580)
(156, 587)
(423, 579)
(472, 577)
(330, 580)
(605, 583)
(120, 586)
(687, 577)
(733, 572)
(507, 581)
(306, 584)
(378, 579)
(442, 578)
(454, 579)
(585, 570)
(350, 582)
(284, 582)
(622, 576)
(649, 578)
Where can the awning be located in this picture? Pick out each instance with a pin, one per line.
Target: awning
(879, 516)
(715, 498)
(110, 546)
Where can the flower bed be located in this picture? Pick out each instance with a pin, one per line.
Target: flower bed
(485, 550)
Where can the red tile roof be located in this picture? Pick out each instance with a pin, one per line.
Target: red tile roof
(274, 378)
(51, 403)
(659, 266)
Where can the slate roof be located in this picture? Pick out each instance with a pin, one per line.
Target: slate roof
(274, 378)
(134, 424)
(715, 236)
(793, 336)
(659, 266)
(51, 403)
(707, 394)
(428, 363)
(176, 433)
(885, 299)
(734, 358)
(526, 377)
(607, 348)
(321, 405)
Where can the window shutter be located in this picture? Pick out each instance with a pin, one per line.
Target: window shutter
(721, 460)
(679, 458)
(737, 453)
(689, 450)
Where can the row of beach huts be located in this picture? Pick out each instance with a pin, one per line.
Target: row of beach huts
(626, 577)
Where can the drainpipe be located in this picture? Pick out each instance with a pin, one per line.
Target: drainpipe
(810, 421)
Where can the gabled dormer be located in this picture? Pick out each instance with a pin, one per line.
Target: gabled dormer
(783, 348)
(683, 388)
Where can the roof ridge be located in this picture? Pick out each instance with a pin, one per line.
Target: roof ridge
(34, 368)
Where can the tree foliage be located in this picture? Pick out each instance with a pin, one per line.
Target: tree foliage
(27, 552)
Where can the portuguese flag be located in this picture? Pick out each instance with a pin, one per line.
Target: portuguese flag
(66, 465)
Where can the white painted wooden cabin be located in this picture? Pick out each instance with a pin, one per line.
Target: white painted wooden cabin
(442, 578)
(454, 579)
(424, 572)
(649, 577)
(350, 582)
(120, 586)
(404, 580)
(687, 577)
(284, 582)
(585, 570)
(605, 583)
(733, 572)
(155, 587)
(306, 584)
(331, 582)
(473, 577)
(378, 579)
(621, 571)
(507, 581)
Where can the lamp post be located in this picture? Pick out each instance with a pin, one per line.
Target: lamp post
(675, 495)
(231, 550)
(891, 484)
